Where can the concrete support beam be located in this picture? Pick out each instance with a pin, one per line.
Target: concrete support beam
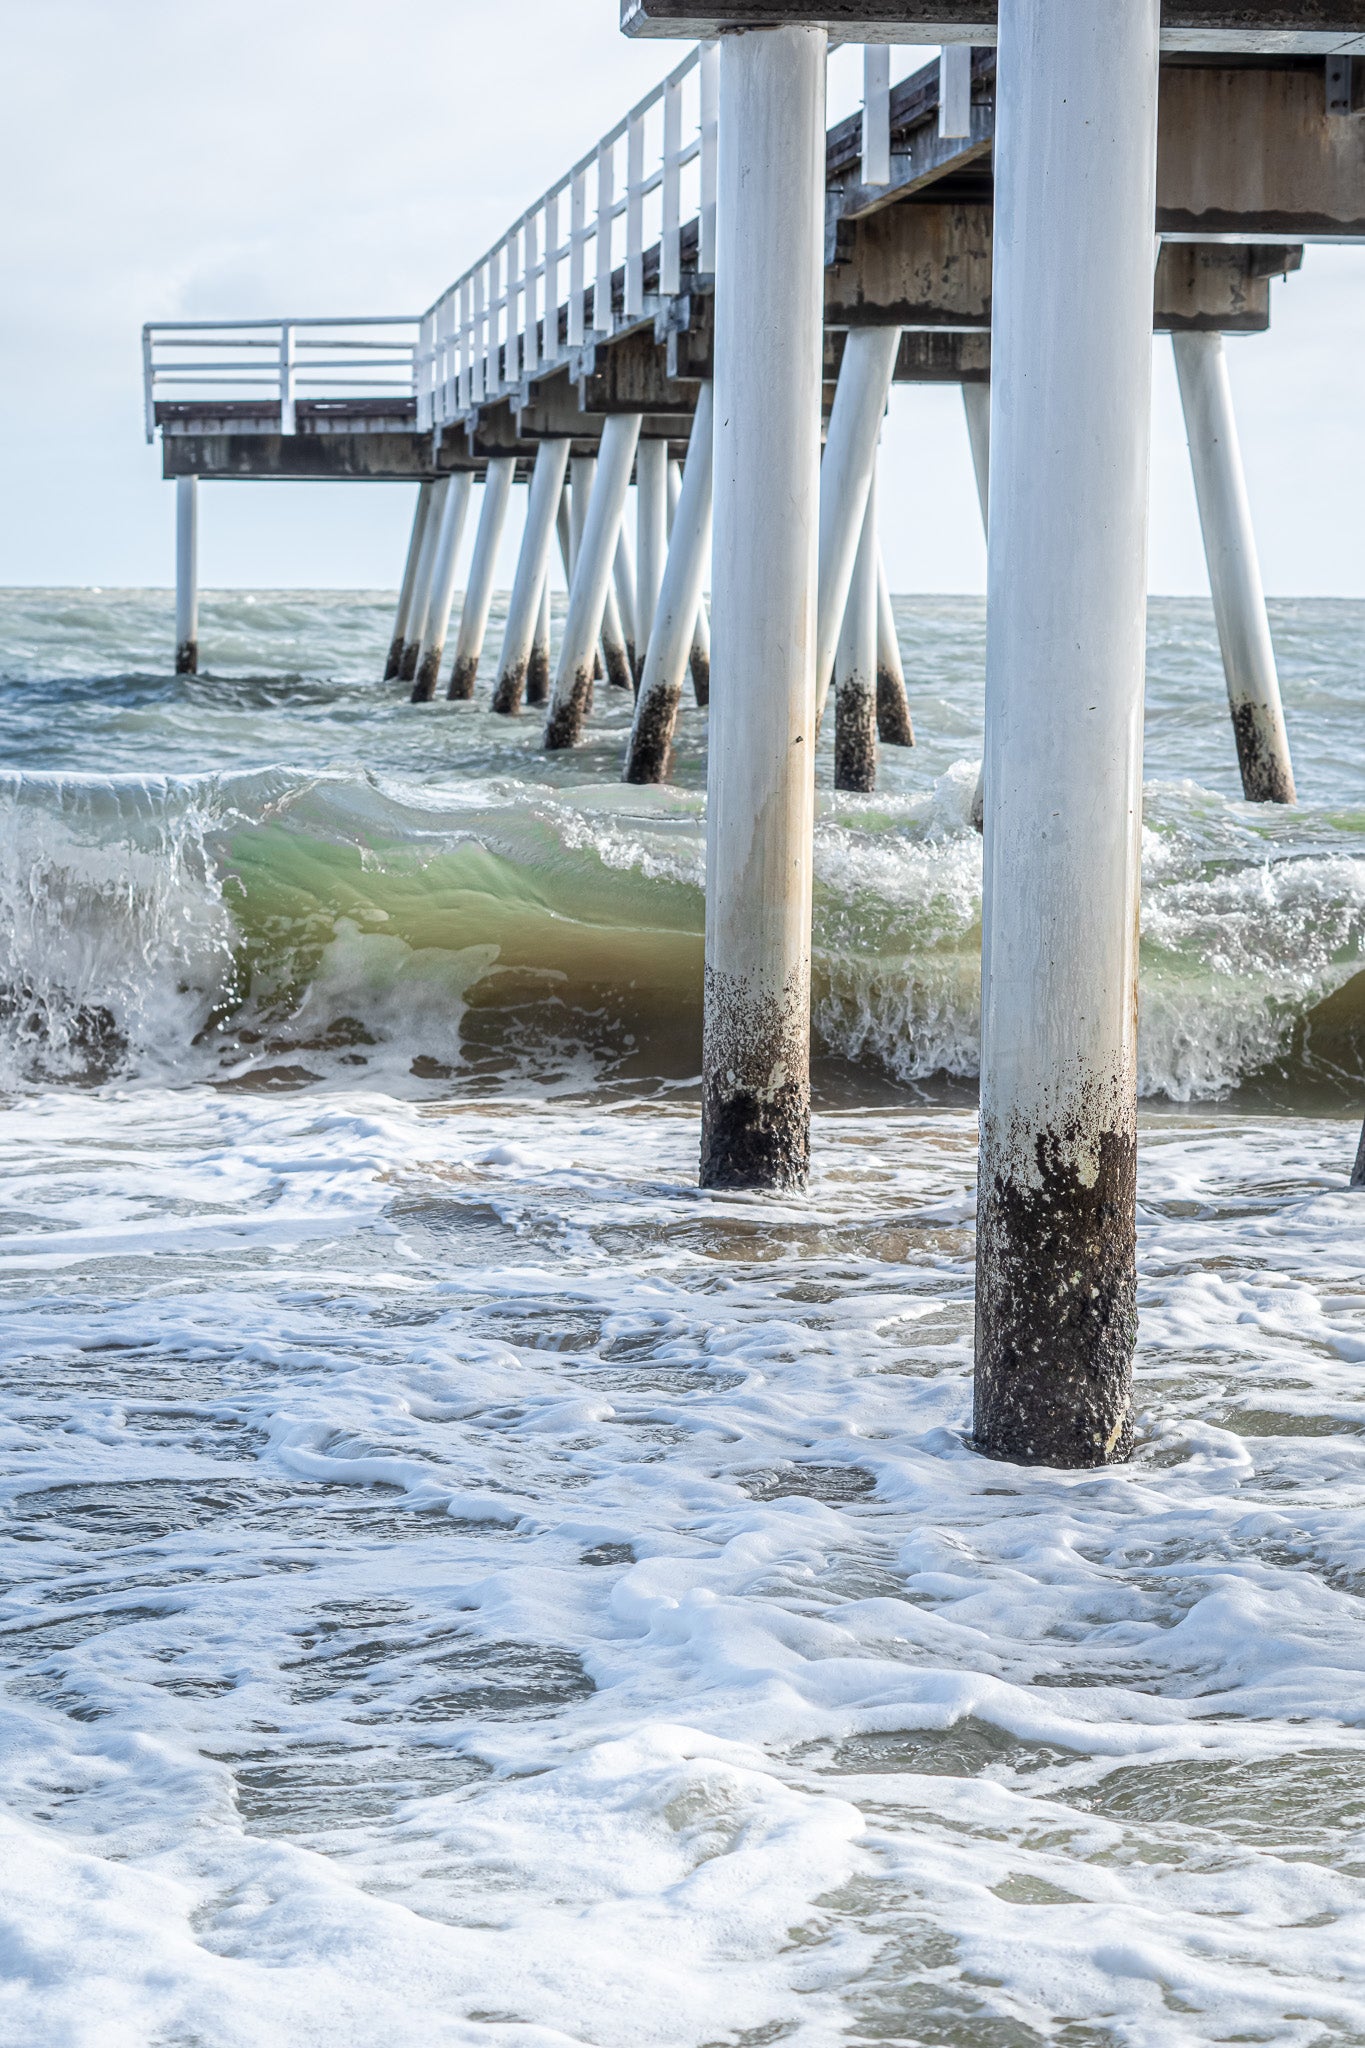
(673, 630)
(530, 584)
(1066, 610)
(760, 770)
(1234, 570)
(478, 596)
(1306, 27)
(571, 697)
(855, 666)
(420, 515)
(445, 564)
(186, 575)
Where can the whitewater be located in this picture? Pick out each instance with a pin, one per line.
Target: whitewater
(461, 1583)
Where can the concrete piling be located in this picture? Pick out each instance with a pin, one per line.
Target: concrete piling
(760, 762)
(699, 659)
(623, 580)
(1234, 570)
(531, 582)
(421, 513)
(538, 668)
(186, 575)
(976, 404)
(673, 636)
(478, 596)
(422, 580)
(895, 728)
(1066, 613)
(651, 532)
(445, 566)
(855, 665)
(845, 475)
(571, 696)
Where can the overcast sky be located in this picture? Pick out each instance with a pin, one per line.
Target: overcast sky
(229, 158)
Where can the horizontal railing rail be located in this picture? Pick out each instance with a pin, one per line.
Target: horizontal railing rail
(285, 361)
(546, 287)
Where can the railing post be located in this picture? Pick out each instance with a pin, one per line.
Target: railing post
(148, 384)
(955, 90)
(760, 774)
(876, 168)
(1071, 357)
(709, 87)
(286, 378)
(578, 216)
(635, 217)
(530, 297)
(606, 200)
(670, 244)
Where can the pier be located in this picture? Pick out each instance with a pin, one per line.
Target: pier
(1016, 218)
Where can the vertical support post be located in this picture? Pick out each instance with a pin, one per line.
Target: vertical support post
(855, 667)
(571, 698)
(855, 424)
(670, 228)
(1071, 352)
(538, 667)
(421, 512)
(708, 80)
(700, 658)
(523, 611)
(421, 587)
(876, 166)
(186, 575)
(1234, 570)
(478, 595)
(651, 531)
(674, 625)
(895, 728)
(444, 566)
(760, 767)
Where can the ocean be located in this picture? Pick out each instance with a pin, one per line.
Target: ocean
(464, 1585)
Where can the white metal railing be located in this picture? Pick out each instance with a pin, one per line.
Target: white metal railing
(283, 360)
(645, 182)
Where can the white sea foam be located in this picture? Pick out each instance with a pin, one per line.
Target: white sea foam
(447, 1603)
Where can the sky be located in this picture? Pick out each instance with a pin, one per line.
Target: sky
(195, 159)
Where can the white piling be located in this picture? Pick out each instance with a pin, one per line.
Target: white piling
(615, 651)
(1071, 348)
(651, 531)
(855, 423)
(422, 581)
(571, 697)
(760, 765)
(976, 403)
(623, 579)
(186, 575)
(675, 615)
(1234, 570)
(538, 668)
(582, 476)
(445, 567)
(543, 501)
(699, 659)
(895, 728)
(855, 665)
(478, 594)
(400, 620)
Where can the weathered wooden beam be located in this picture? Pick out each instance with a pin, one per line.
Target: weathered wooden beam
(1310, 27)
(1251, 151)
(299, 458)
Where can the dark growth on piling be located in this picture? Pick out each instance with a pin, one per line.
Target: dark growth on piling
(187, 658)
(508, 690)
(538, 676)
(463, 677)
(407, 667)
(855, 739)
(701, 677)
(755, 1127)
(564, 726)
(620, 675)
(649, 754)
(1056, 1307)
(395, 660)
(428, 675)
(1266, 779)
(894, 727)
